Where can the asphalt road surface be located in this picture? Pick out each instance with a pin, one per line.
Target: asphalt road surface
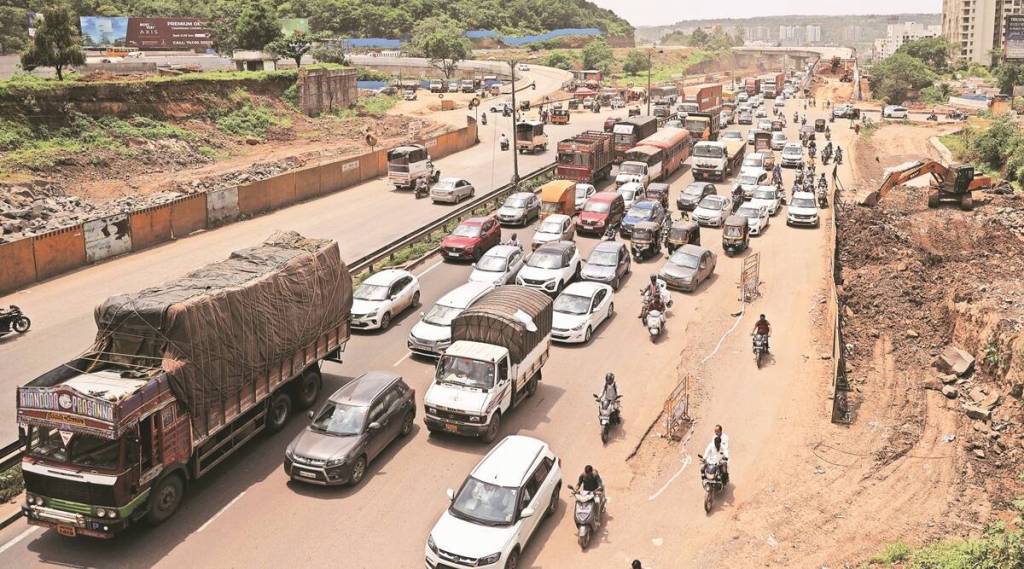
(247, 514)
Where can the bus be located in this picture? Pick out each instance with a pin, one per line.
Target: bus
(675, 145)
(629, 131)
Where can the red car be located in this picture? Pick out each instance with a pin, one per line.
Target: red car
(600, 211)
(471, 239)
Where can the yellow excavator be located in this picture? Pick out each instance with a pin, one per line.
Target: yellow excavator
(950, 184)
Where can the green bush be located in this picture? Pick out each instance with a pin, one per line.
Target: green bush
(248, 121)
(11, 483)
(998, 548)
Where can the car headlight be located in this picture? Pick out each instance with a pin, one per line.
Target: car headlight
(493, 558)
(336, 461)
(579, 327)
(432, 410)
(431, 544)
(474, 419)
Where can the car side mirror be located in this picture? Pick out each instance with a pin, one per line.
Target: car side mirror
(473, 265)
(374, 426)
(310, 415)
(527, 512)
(450, 493)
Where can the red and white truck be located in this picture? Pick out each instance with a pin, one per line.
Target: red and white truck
(586, 157)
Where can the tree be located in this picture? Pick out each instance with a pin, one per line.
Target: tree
(443, 42)
(699, 38)
(331, 52)
(895, 77)
(636, 61)
(56, 43)
(1007, 75)
(559, 60)
(256, 26)
(598, 55)
(933, 51)
(13, 38)
(937, 93)
(292, 47)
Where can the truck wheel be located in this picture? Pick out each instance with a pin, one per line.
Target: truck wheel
(278, 411)
(165, 499)
(307, 387)
(492, 429)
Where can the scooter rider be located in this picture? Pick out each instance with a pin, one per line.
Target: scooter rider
(591, 481)
(483, 118)
(763, 328)
(657, 292)
(777, 174)
(717, 452)
(503, 140)
(839, 155)
(514, 241)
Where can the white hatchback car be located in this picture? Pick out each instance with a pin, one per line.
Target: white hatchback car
(631, 192)
(551, 267)
(432, 335)
(579, 310)
(895, 112)
(558, 227)
(497, 509)
(381, 297)
(498, 266)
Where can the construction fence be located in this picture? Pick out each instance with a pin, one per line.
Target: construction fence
(39, 257)
(841, 411)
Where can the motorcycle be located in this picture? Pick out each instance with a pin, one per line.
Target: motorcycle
(712, 481)
(610, 232)
(839, 157)
(504, 145)
(823, 196)
(483, 119)
(932, 117)
(760, 349)
(12, 320)
(587, 515)
(421, 190)
(607, 414)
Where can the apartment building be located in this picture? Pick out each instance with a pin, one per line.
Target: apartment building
(977, 27)
(899, 34)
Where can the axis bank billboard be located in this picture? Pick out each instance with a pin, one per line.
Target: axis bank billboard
(169, 33)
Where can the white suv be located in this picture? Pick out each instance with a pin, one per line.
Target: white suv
(894, 112)
(498, 508)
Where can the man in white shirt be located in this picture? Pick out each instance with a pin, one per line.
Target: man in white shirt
(717, 452)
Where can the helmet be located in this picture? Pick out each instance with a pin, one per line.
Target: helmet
(762, 317)
(609, 377)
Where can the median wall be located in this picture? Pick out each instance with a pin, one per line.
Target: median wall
(39, 257)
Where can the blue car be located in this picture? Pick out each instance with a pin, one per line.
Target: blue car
(643, 210)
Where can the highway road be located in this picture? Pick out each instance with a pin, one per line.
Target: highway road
(246, 513)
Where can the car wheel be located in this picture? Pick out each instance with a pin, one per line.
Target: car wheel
(407, 424)
(358, 471)
(586, 337)
(415, 299)
(617, 283)
(611, 310)
(513, 560)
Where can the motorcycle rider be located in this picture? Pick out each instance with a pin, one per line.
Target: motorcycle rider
(503, 140)
(763, 328)
(514, 241)
(657, 295)
(483, 118)
(737, 197)
(717, 452)
(777, 174)
(421, 188)
(591, 481)
(822, 182)
(839, 155)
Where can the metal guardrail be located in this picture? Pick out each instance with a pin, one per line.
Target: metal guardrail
(11, 455)
(366, 262)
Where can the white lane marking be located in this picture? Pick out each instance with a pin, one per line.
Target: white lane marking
(220, 511)
(430, 268)
(18, 538)
(405, 357)
(743, 309)
(686, 462)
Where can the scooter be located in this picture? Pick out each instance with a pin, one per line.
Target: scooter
(483, 119)
(504, 145)
(607, 414)
(587, 515)
(421, 190)
(655, 323)
(12, 320)
(760, 349)
(712, 481)
(823, 195)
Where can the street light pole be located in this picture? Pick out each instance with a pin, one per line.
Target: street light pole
(650, 53)
(515, 152)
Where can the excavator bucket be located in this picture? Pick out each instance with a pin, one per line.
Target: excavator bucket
(870, 200)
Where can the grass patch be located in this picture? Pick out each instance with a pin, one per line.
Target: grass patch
(11, 483)
(378, 105)
(998, 548)
(955, 143)
(893, 553)
(249, 121)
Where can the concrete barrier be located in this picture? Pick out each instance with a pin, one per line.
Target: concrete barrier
(222, 206)
(19, 264)
(369, 165)
(253, 198)
(308, 182)
(188, 215)
(107, 237)
(150, 226)
(59, 251)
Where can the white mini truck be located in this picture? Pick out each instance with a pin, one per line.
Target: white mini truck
(499, 346)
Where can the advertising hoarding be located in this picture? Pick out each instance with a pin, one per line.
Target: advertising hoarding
(1014, 43)
(169, 33)
(103, 31)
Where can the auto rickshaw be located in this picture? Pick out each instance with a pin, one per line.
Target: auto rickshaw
(682, 232)
(819, 125)
(735, 234)
(634, 111)
(524, 105)
(574, 104)
(645, 241)
(777, 126)
(658, 191)
(559, 116)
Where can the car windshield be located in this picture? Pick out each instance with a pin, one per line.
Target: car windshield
(749, 179)
(732, 134)
(778, 136)
(712, 202)
(792, 151)
(367, 291)
(764, 194)
(551, 226)
(597, 207)
(803, 202)
(684, 259)
(338, 419)
(603, 258)
(628, 193)
(572, 304)
(755, 161)
(748, 212)
(492, 263)
(581, 191)
(707, 151)
(441, 315)
(467, 231)
(80, 450)
(516, 202)
(484, 503)
(542, 260)
(640, 213)
(628, 168)
(464, 371)
(693, 190)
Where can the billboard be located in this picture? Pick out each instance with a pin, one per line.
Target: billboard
(169, 33)
(1014, 43)
(103, 31)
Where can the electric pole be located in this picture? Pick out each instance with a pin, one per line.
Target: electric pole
(515, 152)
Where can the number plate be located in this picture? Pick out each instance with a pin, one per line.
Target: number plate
(451, 427)
(305, 474)
(68, 531)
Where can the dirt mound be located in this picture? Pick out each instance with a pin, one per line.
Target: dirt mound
(914, 281)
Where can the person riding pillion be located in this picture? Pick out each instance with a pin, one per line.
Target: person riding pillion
(717, 452)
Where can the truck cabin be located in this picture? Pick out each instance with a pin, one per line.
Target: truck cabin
(400, 158)
(685, 108)
(473, 365)
(526, 131)
(697, 125)
(713, 151)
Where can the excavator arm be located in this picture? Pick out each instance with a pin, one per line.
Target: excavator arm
(902, 174)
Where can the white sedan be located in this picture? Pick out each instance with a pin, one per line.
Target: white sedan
(579, 310)
(757, 217)
(767, 196)
(451, 190)
(499, 265)
(381, 297)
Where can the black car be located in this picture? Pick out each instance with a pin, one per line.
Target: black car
(693, 193)
(354, 426)
(608, 263)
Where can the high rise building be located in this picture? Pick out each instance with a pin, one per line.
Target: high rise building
(899, 34)
(976, 27)
(812, 33)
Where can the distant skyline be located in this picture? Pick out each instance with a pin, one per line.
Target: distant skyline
(668, 12)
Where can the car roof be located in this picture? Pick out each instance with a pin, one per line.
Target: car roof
(386, 277)
(807, 195)
(522, 195)
(631, 186)
(557, 217)
(474, 221)
(691, 249)
(501, 250)
(609, 246)
(449, 179)
(510, 461)
(605, 196)
(465, 294)
(584, 288)
(793, 145)
(365, 388)
(558, 246)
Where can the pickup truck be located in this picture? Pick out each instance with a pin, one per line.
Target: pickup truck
(499, 346)
(717, 159)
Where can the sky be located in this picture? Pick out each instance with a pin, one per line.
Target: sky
(666, 12)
